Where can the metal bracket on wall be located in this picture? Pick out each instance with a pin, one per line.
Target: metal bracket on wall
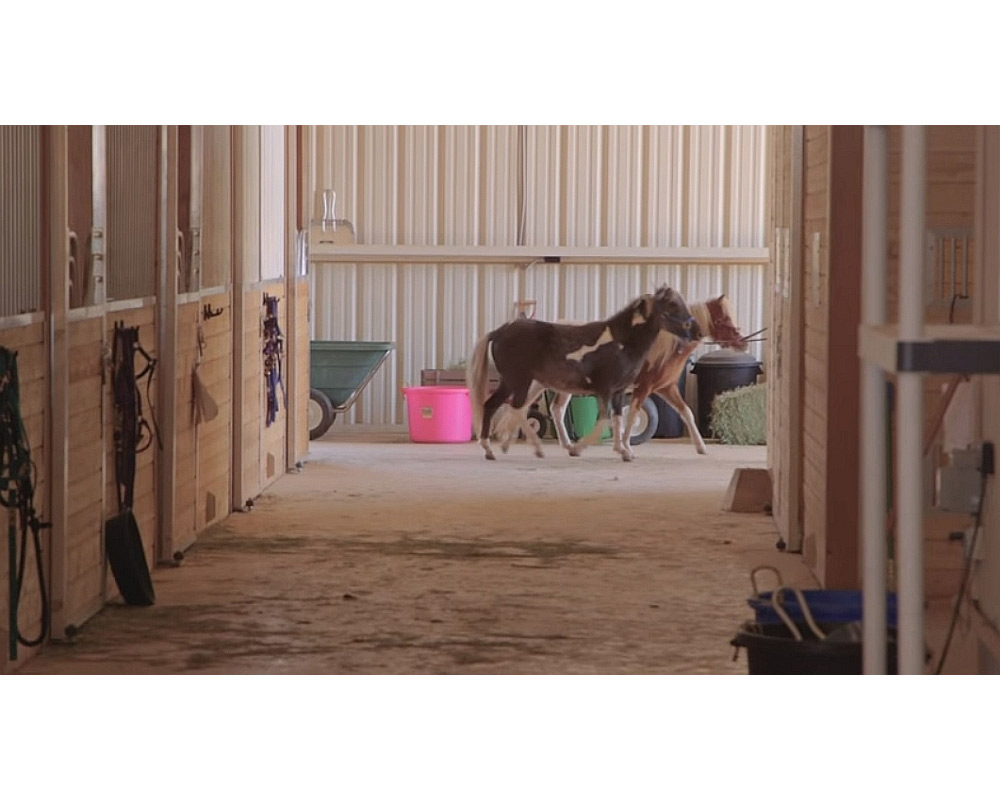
(96, 286)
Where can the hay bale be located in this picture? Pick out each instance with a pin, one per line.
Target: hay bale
(739, 416)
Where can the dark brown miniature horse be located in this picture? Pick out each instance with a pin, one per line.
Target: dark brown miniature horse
(596, 358)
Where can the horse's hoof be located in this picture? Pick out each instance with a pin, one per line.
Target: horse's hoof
(505, 448)
(626, 457)
(490, 457)
(539, 454)
(574, 452)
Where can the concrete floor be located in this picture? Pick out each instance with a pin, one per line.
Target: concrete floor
(384, 556)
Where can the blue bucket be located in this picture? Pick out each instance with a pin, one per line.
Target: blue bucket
(826, 605)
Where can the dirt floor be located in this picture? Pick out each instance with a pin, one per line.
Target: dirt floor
(384, 556)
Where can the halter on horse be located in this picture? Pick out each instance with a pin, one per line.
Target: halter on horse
(599, 358)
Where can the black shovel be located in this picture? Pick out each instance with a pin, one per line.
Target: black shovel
(128, 559)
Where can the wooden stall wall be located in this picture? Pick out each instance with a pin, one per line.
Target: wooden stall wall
(830, 285)
(203, 474)
(784, 432)
(215, 436)
(28, 341)
(815, 221)
(203, 446)
(87, 508)
(263, 446)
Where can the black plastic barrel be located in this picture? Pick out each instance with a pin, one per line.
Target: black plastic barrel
(718, 372)
(772, 650)
(671, 426)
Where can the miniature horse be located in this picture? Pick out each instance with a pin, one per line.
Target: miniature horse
(660, 373)
(599, 358)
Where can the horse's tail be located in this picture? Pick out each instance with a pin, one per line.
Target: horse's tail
(477, 377)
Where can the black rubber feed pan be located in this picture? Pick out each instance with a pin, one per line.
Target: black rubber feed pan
(772, 650)
(128, 559)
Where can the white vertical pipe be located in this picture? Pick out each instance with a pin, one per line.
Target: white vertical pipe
(873, 424)
(910, 408)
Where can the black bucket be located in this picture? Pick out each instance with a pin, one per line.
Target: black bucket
(772, 650)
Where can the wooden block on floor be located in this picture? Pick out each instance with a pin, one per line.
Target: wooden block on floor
(749, 491)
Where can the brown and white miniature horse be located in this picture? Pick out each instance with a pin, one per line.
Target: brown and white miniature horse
(598, 358)
(660, 373)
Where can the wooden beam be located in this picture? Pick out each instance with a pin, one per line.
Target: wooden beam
(57, 213)
(289, 363)
(166, 331)
(843, 367)
(793, 521)
(238, 496)
(322, 252)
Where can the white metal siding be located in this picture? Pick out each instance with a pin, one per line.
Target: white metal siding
(272, 201)
(655, 186)
(132, 158)
(20, 219)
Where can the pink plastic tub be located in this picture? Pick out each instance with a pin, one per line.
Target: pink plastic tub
(438, 413)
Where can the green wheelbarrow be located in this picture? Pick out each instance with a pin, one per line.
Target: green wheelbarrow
(338, 371)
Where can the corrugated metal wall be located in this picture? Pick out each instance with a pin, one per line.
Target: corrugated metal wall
(20, 219)
(132, 158)
(579, 186)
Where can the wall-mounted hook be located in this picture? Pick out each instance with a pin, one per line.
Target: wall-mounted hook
(207, 312)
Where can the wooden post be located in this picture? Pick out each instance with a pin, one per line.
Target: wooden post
(57, 302)
(843, 367)
(291, 375)
(238, 497)
(166, 331)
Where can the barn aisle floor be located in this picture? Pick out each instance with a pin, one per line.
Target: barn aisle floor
(384, 556)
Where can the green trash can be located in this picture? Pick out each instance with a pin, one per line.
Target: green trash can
(583, 413)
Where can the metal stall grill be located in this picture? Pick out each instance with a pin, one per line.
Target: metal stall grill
(132, 210)
(20, 219)
(217, 212)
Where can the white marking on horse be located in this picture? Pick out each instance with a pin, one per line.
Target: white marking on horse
(604, 338)
(638, 319)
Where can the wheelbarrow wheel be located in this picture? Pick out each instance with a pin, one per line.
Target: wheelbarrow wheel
(646, 423)
(537, 421)
(321, 413)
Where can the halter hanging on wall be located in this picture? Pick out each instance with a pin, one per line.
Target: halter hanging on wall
(272, 350)
(132, 435)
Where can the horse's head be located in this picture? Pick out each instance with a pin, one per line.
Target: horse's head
(674, 315)
(724, 330)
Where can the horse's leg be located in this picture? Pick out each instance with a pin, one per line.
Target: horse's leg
(514, 419)
(622, 446)
(519, 406)
(558, 411)
(505, 426)
(633, 411)
(489, 409)
(673, 396)
(594, 437)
